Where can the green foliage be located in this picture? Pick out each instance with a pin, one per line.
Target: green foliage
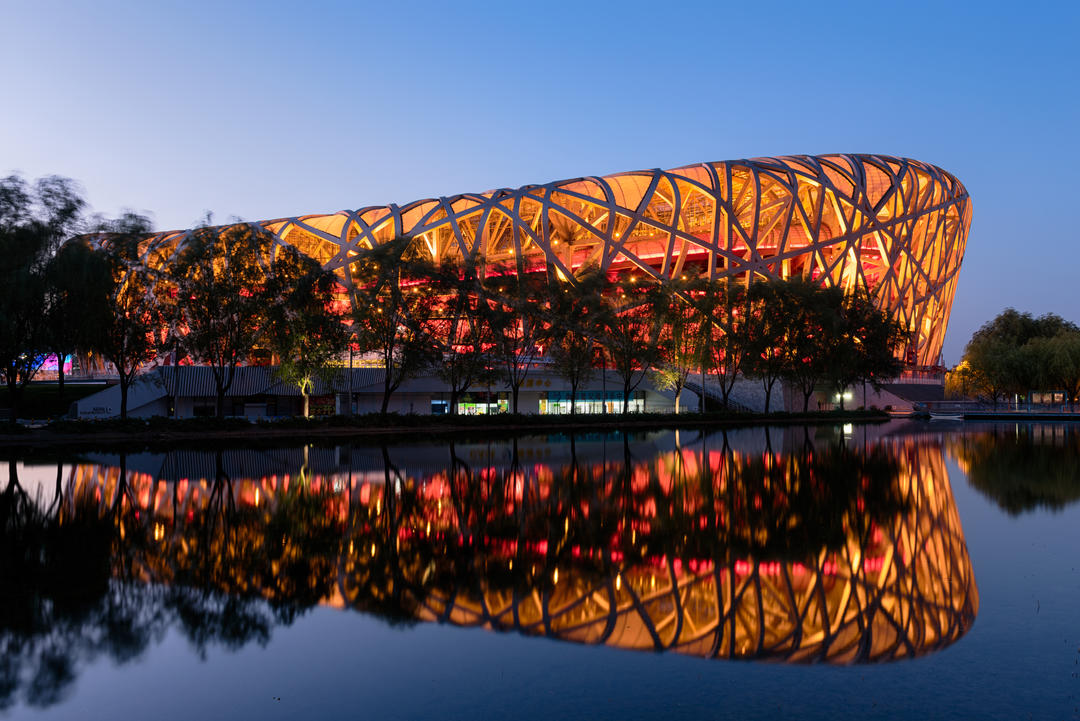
(575, 321)
(517, 308)
(79, 283)
(1023, 467)
(770, 326)
(131, 335)
(630, 333)
(680, 347)
(226, 290)
(1013, 354)
(865, 345)
(34, 221)
(392, 305)
(461, 329)
(725, 333)
(304, 328)
(1058, 362)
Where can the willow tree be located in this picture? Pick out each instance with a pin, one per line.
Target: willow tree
(34, 222)
(1058, 360)
(996, 352)
(131, 335)
(78, 283)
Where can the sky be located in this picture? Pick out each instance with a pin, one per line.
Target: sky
(269, 109)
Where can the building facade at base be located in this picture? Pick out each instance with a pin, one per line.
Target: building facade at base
(257, 393)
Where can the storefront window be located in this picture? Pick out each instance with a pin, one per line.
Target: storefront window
(483, 403)
(558, 402)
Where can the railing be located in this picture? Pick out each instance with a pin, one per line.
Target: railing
(1021, 407)
(921, 376)
(717, 396)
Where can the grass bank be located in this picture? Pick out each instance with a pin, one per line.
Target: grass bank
(43, 400)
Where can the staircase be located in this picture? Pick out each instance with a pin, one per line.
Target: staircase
(736, 401)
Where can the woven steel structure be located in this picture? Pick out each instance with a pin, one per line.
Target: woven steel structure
(511, 548)
(894, 226)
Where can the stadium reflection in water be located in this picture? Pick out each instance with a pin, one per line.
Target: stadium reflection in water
(791, 548)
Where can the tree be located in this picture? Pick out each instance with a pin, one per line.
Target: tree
(865, 349)
(460, 327)
(768, 327)
(575, 321)
(995, 352)
(393, 302)
(131, 334)
(517, 310)
(631, 333)
(305, 328)
(680, 346)
(724, 335)
(815, 315)
(224, 297)
(1058, 360)
(33, 223)
(78, 284)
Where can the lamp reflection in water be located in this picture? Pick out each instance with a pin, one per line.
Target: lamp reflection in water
(818, 554)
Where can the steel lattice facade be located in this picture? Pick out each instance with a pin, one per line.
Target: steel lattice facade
(894, 226)
(432, 544)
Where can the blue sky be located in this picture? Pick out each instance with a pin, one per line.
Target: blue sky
(265, 109)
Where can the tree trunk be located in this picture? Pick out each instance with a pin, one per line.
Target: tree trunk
(678, 393)
(768, 394)
(573, 400)
(306, 397)
(60, 374)
(58, 496)
(123, 397)
(452, 409)
(514, 392)
(385, 396)
(13, 399)
(603, 381)
(221, 401)
(701, 396)
(806, 401)
(626, 400)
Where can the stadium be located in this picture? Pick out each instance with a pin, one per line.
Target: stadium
(892, 226)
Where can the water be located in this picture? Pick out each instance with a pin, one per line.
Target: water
(893, 571)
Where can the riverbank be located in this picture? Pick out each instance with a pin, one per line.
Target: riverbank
(210, 431)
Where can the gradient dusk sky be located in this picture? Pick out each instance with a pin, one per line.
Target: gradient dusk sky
(269, 109)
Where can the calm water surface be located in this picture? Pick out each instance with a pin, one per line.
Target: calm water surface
(898, 571)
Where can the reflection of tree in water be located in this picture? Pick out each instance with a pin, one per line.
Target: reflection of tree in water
(57, 601)
(1022, 466)
(692, 549)
(87, 576)
(828, 554)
